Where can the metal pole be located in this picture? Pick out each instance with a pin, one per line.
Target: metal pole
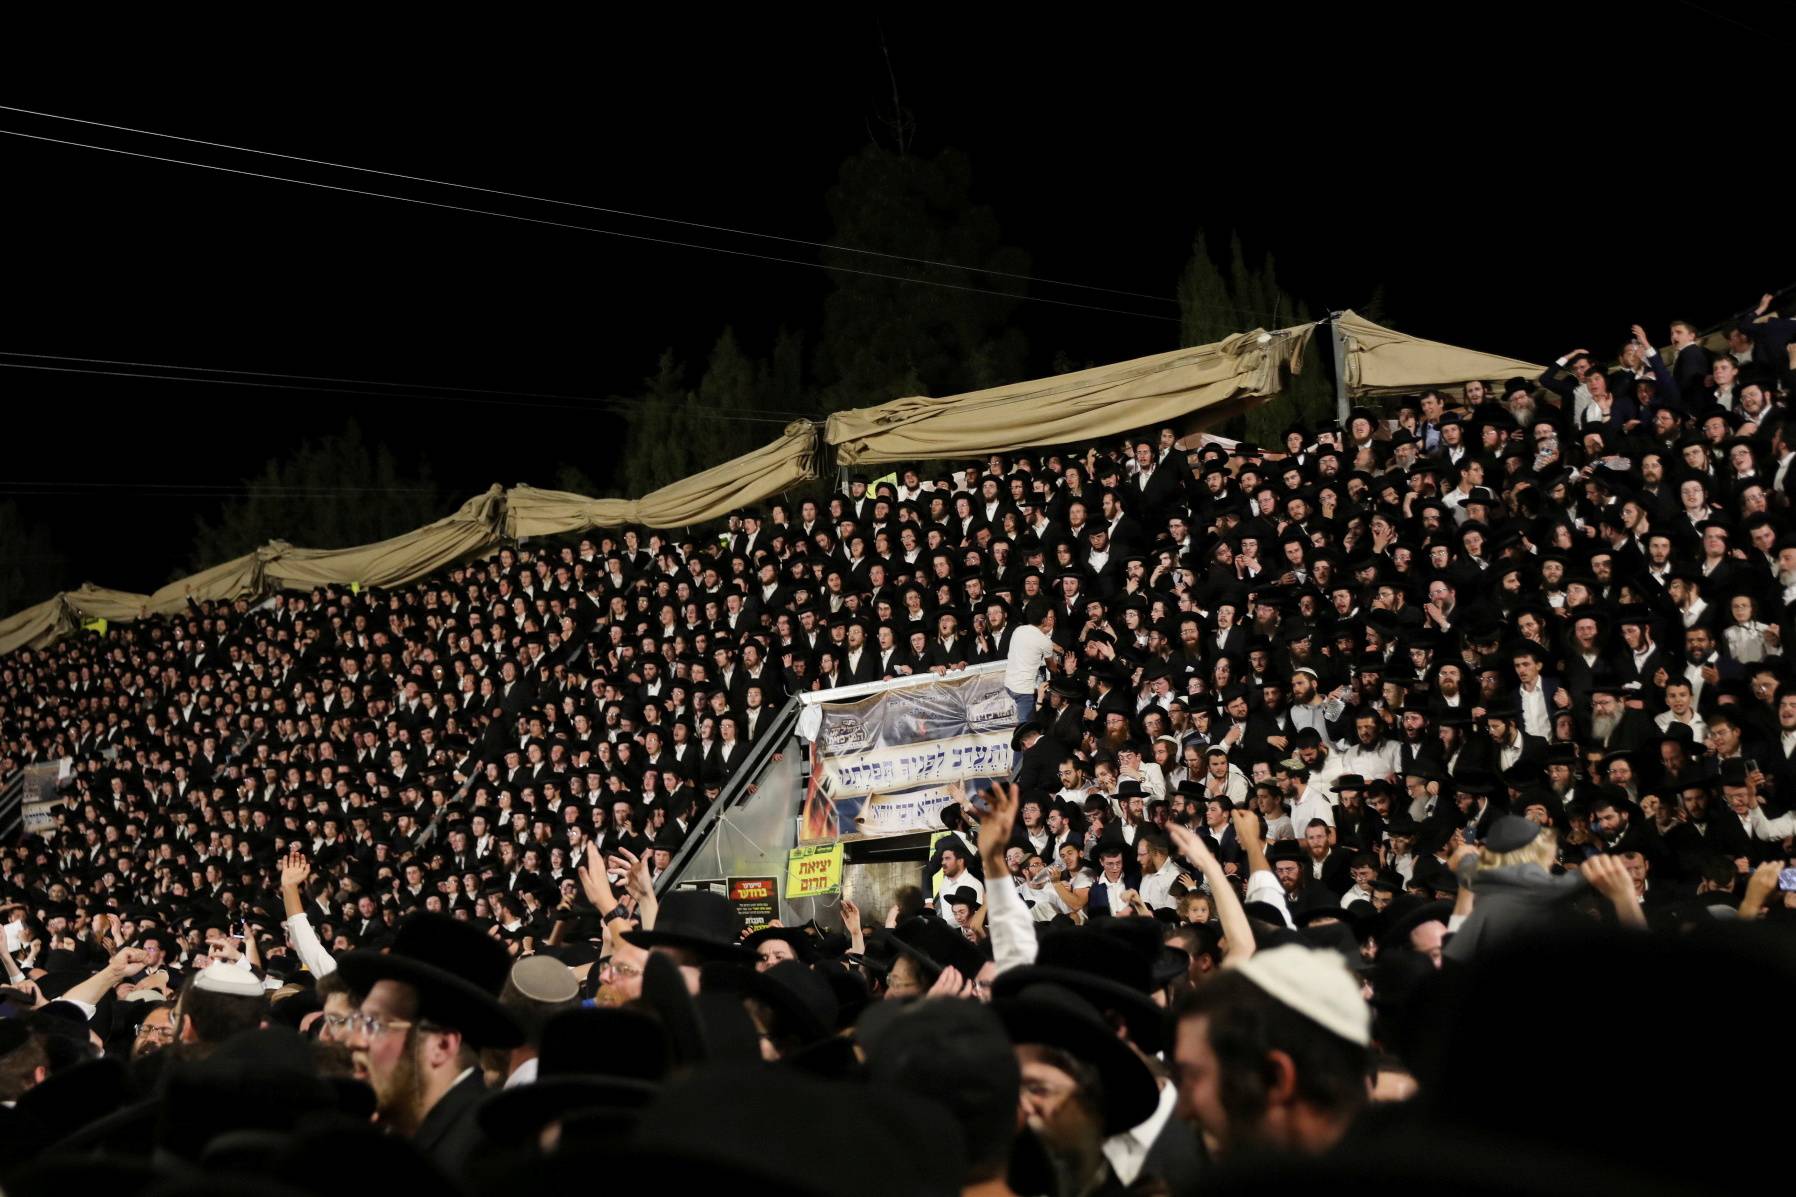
(1342, 406)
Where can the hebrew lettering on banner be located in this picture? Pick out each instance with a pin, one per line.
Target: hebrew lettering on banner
(889, 763)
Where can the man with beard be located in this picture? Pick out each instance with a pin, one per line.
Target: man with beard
(1640, 658)
(155, 1032)
(1563, 775)
(1612, 820)
(1449, 689)
(1613, 724)
(1418, 741)
(1583, 656)
(1309, 706)
(1371, 755)
(431, 1004)
(1271, 1055)
(1510, 745)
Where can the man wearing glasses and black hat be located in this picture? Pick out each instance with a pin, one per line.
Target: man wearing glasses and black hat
(432, 1003)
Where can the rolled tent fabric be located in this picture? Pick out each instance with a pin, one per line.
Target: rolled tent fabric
(704, 496)
(36, 626)
(1382, 361)
(1217, 380)
(240, 577)
(474, 528)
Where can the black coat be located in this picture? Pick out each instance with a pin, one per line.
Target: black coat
(449, 1135)
(1040, 769)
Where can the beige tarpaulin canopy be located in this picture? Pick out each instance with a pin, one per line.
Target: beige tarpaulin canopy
(474, 529)
(1382, 361)
(1219, 380)
(704, 496)
(1216, 381)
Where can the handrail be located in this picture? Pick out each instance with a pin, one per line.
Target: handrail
(759, 754)
(12, 806)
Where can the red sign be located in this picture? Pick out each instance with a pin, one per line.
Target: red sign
(756, 899)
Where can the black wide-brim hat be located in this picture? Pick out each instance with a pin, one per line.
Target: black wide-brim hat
(1106, 972)
(456, 971)
(1055, 1016)
(803, 943)
(512, 1116)
(700, 921)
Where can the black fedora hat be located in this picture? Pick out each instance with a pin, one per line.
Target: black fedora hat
(804, 1001)
(1105, 970)
(457, 972)
(698, 920)
(1055, 1016)
(802, 942)
(610, 1057)
(934, 945)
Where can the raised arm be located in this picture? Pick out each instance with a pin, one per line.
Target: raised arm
(124, 963)
(1262, 883)
(1609, 877)
(294, 871)
(1008, 923)
(1229, 912)
(595, 882)
(1759, 888)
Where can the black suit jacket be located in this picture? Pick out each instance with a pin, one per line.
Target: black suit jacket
(449, 1135)
(1041, 766)
(1690, 368)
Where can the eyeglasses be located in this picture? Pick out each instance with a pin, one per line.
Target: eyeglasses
(618, 970)
(367, 1024)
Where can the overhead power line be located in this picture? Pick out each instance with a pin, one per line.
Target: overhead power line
(581, 228)
(578, 400)
(610, 406)
(586, 207)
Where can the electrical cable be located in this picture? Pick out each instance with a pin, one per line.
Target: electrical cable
(542, 199)
(580, 228)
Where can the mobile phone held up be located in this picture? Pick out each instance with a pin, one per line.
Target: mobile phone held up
(1786, 881)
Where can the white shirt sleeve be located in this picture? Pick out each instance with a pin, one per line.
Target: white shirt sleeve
(1262, 886)
(1780, 828)
(1153, 781)
(305, 943)
(1010, 925)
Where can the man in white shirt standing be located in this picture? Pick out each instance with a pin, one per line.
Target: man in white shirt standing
(954, 876)
(1031, 649)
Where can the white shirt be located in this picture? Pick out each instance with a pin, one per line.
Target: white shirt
(1699, 731)
(1030, 647)
(1127, 1152)
(1536, 719)
(1156, 889)
(1048, 901)
(1114, 890)
(1371, 763)
(1316, 803)
(946, 885)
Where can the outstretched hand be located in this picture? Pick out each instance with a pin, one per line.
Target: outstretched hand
(996, 827)
(295, 868)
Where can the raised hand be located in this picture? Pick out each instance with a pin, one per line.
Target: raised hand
(996, 827)
(295, 868)
(951, 984)
(1608, 877)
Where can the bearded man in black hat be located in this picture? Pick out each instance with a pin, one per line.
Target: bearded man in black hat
(431, 1004)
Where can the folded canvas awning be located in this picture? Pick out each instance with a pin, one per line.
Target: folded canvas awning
(1383, 361)
(706, 495)
(1216, 380)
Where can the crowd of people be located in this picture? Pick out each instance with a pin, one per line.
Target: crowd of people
(1416, 792)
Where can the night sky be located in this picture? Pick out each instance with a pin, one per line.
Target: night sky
(1516, 180)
